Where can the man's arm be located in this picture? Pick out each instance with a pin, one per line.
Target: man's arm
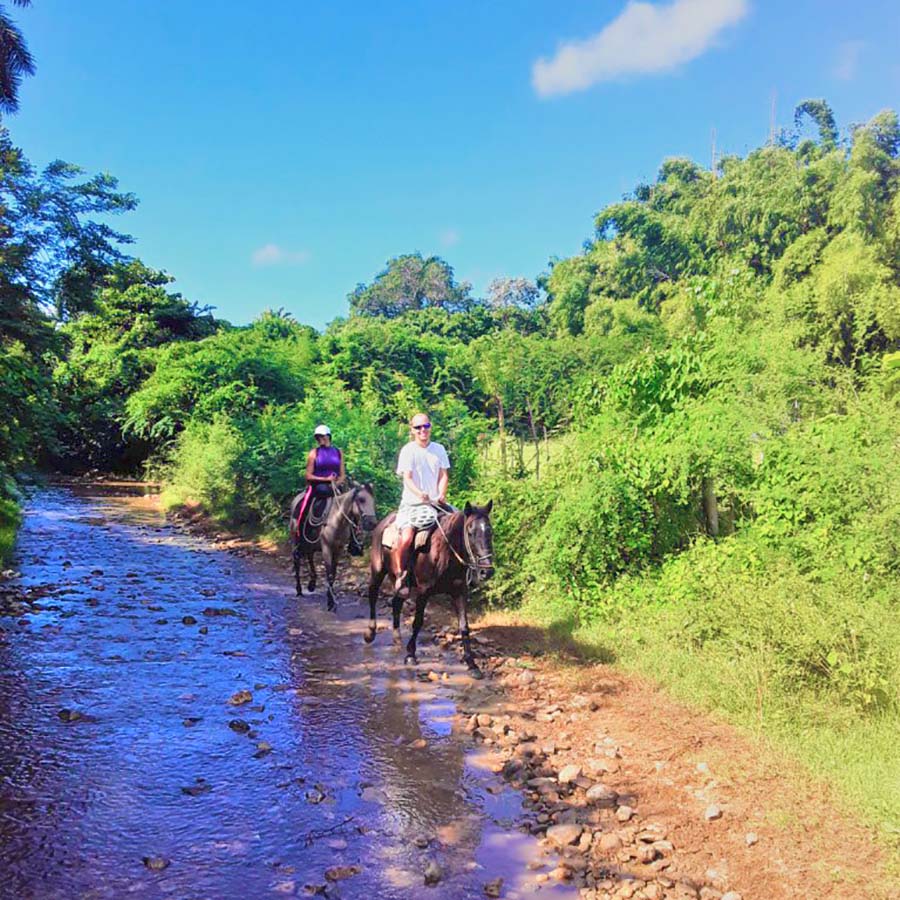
(411, 485)
(443, 482)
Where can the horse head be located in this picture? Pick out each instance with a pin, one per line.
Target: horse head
(364, 503)
(479, 539)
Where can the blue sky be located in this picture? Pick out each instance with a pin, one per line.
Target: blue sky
(282, 152)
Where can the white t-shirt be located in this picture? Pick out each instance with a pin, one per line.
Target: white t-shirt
(425, 463)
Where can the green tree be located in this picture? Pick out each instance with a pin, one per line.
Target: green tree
(410, 282)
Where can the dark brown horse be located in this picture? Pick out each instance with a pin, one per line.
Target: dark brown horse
(458, 555)
(352, 512)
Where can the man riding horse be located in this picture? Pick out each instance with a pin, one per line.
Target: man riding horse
(424, 467)
(456, 557)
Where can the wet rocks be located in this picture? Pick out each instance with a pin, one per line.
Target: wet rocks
(218, 611)
(70, 715)
(433, 873)
(240, 697)
(339, 873)
(239, 726)
(493, 888)
(195, 790)
(156, 863)
(188, 620)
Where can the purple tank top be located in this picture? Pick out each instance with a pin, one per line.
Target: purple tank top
(328, 462)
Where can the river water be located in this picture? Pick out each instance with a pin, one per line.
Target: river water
(129, 766)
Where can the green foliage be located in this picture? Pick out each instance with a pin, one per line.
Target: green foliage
(109, 356)
(47, 230)
(237, 371)
(9, 524)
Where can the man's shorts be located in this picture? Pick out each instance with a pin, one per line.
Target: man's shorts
(418, 516)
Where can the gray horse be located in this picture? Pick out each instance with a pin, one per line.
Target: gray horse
(350, 513)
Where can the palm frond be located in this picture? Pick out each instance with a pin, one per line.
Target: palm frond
(15, 61)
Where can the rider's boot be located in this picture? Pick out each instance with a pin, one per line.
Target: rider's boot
(402, 585)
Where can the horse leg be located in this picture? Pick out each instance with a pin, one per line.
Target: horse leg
(421, 601)
(295, 554)
(330, 559)
(460, 604)
(311, 562)
(375, 579)
(396, 610)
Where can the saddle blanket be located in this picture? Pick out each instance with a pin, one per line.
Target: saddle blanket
(389, 537)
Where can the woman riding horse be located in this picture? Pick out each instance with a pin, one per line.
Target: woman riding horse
(324, 473)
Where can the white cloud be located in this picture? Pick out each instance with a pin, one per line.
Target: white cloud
(644, 39)
(449, 237)
(848, 60)
(274, 255)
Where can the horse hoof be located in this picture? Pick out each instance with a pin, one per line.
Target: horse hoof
(475, 672)
(311, 586)
(411, 660)
(369, 635)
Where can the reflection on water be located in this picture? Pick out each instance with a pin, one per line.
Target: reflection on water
(174, 722)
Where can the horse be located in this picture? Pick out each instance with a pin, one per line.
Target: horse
(459, 554)
(350, 514)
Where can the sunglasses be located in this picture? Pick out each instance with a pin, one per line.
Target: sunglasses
(422, 427)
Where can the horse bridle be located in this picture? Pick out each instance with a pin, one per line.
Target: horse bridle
(355, 527)
(475, 562)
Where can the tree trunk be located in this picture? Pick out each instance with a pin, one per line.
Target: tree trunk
(501, 422)
(537, 442)
(710, 508)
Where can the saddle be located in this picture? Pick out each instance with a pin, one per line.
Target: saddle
(391, 533)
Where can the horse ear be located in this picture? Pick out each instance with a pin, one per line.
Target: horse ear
(468, 510)
(489, 507)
